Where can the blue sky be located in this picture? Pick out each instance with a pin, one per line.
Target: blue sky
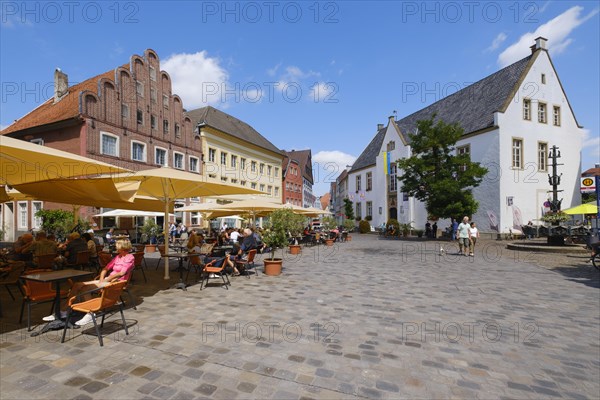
(317, 75)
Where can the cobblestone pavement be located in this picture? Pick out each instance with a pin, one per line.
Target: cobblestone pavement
(365, 319)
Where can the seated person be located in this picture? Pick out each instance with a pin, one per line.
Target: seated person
(118, 269)
(230, 267)
(91, 246)
(110, 236)
(74, 245)
(21, 250)
(42, 246)
(248, 243)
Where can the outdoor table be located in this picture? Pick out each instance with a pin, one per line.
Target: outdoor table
(219, 251)
(178, 247)
(181, 256)
(57, 277)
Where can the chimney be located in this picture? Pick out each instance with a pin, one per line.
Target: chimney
(391, 119)
(540, 43)
(61, 84)
(379, 127)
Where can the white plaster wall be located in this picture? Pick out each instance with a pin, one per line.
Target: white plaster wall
(527, 185)
(485, 150)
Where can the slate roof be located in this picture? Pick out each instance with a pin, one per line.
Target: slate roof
(304, 158)
(224, 122)
(472, 108)
(370, 153)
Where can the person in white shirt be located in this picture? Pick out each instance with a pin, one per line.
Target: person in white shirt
(473, 236)
(234, 236)
(463, 236)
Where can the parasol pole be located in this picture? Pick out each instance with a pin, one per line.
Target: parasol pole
(166, 235)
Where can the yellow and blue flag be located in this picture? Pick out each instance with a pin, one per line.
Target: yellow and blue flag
(386, 162)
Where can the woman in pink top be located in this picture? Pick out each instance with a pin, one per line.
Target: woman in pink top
(120, 269)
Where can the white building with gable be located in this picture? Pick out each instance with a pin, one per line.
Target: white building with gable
(511, 120)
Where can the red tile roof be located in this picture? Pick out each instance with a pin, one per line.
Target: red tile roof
(66, 108)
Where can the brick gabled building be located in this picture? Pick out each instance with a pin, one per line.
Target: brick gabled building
(292, 181)
(304, 158)
(127, 117)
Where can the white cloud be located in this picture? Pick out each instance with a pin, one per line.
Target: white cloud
(323, 92)
(498, 40)
(590, 145)
(198, 79)
(556, 31)
(335, 158)
(273, 71)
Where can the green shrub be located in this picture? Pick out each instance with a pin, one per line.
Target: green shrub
(364, 226)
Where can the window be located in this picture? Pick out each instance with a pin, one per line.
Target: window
(139, 88)
(358, 185)
(153, 74)
(37, 221)
(464, 151)
(223, 179)
(517, 153)
(253, 166)
(262, 187)
(233, 180)
(369, 208)
(125, 111)
(270, 189)
(165, 101)
(544, 79)
(269, 170)
(261, 169)
(153, 121)
(393, 180)
(233, 161)
(556, 115)
(194, 164)
(195, 217)
(178, 161)
(369, 181)
(253, 185)
(160, 157)
(212, 155)
(109, 144)
(542, 113)
(140, 117)
(23, 217)
(391, 145)
(358, 211)
(153, 97)
(542, 156)
(527, 109)
(138, 151)
(165, 126)
(177, 131)
(276, 172)
(223, 158)
(276, 191)
(243, 183)
(38, 141)
(242, 164)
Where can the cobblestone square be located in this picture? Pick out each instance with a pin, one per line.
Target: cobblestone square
(368, 318)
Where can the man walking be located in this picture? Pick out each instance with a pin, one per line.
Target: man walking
(463, 236)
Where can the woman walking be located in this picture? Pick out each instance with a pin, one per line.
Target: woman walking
(473, 236)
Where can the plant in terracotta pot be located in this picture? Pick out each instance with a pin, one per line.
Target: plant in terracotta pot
(405, 228)
(349, 227)
(296, 226)
(150, 231)
(329, 223)
(276, 237)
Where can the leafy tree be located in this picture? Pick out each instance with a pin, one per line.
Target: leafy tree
(348, 209)
(436, 175)
(58, 222)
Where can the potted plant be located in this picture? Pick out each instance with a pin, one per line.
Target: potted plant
(349, 226)
(296, 225)
(149, 233)
(405, 228)
(275, 237)
(330, 224)
(419, 232)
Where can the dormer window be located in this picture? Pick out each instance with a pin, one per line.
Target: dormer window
(543, 79)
